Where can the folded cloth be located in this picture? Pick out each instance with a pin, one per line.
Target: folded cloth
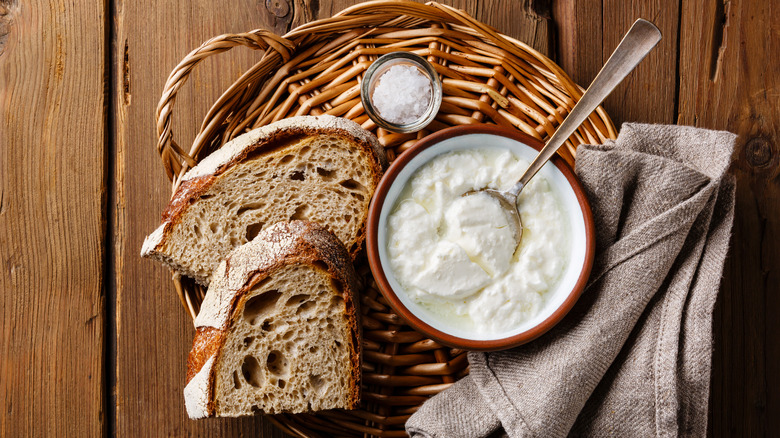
(633, 357)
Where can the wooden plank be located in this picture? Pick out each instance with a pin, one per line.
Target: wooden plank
(588, 32)
(526, 20)
(529, 21)
(578, 38)
(729, 80)
(52, 188)
(154, 333)
(648, 94)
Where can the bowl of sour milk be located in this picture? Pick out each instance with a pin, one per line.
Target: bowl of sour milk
(448, 264)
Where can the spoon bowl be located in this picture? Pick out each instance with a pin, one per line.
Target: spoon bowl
(508, 203)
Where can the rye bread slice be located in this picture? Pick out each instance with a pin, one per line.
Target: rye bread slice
(318, 168)
(278, 328)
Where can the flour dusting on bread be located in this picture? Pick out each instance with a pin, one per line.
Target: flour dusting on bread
(278, 330)
(323, 169)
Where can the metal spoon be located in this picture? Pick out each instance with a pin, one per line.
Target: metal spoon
(638, 42)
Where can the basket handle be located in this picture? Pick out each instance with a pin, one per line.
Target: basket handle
(175, 159)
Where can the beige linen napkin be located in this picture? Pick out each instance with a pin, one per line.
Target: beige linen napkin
(633, 357)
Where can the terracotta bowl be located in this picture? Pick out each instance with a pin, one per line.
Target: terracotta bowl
(558, 301)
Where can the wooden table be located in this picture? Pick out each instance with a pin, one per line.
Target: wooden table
(94, 339)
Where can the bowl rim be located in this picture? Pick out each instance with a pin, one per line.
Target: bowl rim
(415, 322)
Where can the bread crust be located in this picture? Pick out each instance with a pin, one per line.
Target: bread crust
(296, 242)
(257, 142)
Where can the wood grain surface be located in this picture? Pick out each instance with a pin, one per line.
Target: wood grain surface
(94, 339)
(52, 194)
(730, 81)
(588, 33)
(153, 335)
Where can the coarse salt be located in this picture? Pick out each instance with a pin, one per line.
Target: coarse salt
(402, 94)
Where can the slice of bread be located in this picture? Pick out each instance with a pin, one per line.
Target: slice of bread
(278, 328)
(318, 168)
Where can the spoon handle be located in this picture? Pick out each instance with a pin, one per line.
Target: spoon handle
(637, 43)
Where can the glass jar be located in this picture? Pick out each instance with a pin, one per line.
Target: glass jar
(379, 68)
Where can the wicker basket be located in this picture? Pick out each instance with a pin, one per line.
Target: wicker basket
(316, 69)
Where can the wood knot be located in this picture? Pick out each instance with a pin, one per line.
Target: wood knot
(280, 8)
(759, 152)
(8, 10)
(538, 9)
